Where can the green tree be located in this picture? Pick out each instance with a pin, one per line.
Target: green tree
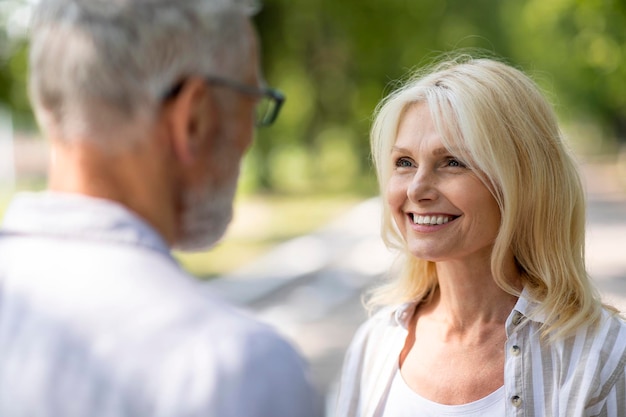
(582, 44)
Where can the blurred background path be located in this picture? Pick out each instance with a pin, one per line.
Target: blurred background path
(310, 288)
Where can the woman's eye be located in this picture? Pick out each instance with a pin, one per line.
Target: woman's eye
(453, 162)
(403, 163)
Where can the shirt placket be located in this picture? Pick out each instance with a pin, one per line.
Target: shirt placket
(513, 367)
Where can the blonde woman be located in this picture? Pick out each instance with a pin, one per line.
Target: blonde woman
(492, 312)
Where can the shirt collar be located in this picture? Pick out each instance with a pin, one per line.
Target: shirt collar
(76, 216)
(524, 309)
(402, 314)
(527, 307)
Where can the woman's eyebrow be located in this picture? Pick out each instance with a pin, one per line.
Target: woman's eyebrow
(438, 151)
(400, 149)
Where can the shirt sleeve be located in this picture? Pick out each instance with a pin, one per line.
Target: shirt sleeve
(615, 402)
(611, 398)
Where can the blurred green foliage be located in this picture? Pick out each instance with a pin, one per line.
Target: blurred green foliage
(336, 59)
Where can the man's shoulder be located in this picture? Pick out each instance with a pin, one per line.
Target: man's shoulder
(252, 368)
(227, 334)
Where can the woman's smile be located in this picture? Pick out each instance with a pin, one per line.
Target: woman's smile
(429, 223)
(431, 219)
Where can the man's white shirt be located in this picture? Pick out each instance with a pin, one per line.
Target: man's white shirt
(97, 319)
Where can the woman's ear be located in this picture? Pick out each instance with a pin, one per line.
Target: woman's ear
(191, 118)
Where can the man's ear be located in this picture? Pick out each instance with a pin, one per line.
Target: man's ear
(191, 118)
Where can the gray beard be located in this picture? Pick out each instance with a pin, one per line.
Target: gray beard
(207, 213)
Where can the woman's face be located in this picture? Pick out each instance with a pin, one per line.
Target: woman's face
(443, 211)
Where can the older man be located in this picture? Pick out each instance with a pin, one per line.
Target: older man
(149, 106)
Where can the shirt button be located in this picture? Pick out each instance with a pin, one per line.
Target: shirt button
(515, 350)
(516, 401)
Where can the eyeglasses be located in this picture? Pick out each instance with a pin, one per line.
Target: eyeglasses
(267, 109)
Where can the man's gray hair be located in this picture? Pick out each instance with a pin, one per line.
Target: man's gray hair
(97, 64)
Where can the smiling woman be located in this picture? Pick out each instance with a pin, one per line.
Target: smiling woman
(492, 312)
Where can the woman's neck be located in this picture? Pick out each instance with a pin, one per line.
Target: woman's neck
(468, 295)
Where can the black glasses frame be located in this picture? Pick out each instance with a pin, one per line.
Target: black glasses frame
(275, 97)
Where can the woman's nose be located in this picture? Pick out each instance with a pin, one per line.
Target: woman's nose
(422, 186)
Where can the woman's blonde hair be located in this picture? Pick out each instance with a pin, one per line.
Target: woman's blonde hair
(508, 134)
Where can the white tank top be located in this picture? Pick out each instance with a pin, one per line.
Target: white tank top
(404, 402)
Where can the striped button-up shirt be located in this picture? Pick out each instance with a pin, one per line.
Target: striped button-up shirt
(583, 375)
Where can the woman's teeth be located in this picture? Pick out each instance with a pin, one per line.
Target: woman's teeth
(431, 220)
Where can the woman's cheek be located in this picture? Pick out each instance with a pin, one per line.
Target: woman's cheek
(395, 195)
